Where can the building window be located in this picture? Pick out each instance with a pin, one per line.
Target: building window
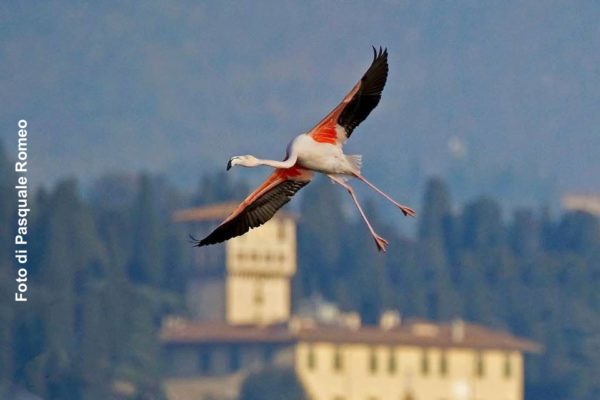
(507, 366)
(268, 353)
(443, 364)
(235, 358)
(479, 365)
(425, 363)
(205, 361)
(392, 362)
(373, 361)
(311, 359)
(338, 362)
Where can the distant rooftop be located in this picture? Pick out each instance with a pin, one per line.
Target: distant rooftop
(582, 202)
(411, 333)
(218, 211)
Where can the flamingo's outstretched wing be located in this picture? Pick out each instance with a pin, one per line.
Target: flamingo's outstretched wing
(338, 125)
(260, 205)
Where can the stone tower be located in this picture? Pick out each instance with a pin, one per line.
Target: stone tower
(245, 280)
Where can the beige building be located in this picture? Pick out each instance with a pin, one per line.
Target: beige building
(336, 358)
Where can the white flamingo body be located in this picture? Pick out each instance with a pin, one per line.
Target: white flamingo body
(319, 150)
(325, 158)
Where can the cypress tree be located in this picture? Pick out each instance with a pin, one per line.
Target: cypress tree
(436, 210)
(219, 187)
(94, 353)
(441, 298)
(146, 256)
(319, 239)
(482, 222)
(579, 232)
(69, 255)
(524, 235)
(7, 271)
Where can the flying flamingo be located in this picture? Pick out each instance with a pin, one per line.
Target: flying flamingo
(319, 150)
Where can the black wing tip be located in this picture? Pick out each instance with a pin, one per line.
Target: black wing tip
(198, 243)
(260, 211)
(381, 53)
(366, 99)
(194, 241)
(379, 65)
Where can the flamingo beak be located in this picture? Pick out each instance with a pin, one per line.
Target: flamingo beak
(228, 165)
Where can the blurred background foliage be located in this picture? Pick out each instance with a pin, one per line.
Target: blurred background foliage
(106, 264)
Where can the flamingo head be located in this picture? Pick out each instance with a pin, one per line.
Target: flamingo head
(244, 161)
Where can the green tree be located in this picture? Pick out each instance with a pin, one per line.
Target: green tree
(70, 255)
(272, 384)
(95, 353)
(524, 234)
(321, 233)
(219, 187)
(436, 210)
(434, 224)
(7, 272)
(146, 256)
(579, 232)
(482, 224)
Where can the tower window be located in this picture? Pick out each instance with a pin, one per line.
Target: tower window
(373, 361)
(479, 365)
(443, 364)
(338, 362)
(311, 359)
(425, 363)
(392, 362)
(507, 366)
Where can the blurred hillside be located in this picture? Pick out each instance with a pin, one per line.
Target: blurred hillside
(107, 266)
(497, 97)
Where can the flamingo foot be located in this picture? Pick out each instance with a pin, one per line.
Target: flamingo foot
(381, 243)
(407, 211)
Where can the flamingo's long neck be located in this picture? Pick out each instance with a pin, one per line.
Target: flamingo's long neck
(277, 164)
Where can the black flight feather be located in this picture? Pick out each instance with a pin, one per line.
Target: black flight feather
(369, 93)
(257, 213)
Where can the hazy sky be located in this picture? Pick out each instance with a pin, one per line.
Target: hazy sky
(180, 86)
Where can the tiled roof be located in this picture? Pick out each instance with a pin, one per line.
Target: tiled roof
(474, 336)
(181, 331)
(411, 333)
(212, 212)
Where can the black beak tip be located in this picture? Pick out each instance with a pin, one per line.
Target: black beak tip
(228, 165)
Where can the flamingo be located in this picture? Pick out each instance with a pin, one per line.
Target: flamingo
(319, 150)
